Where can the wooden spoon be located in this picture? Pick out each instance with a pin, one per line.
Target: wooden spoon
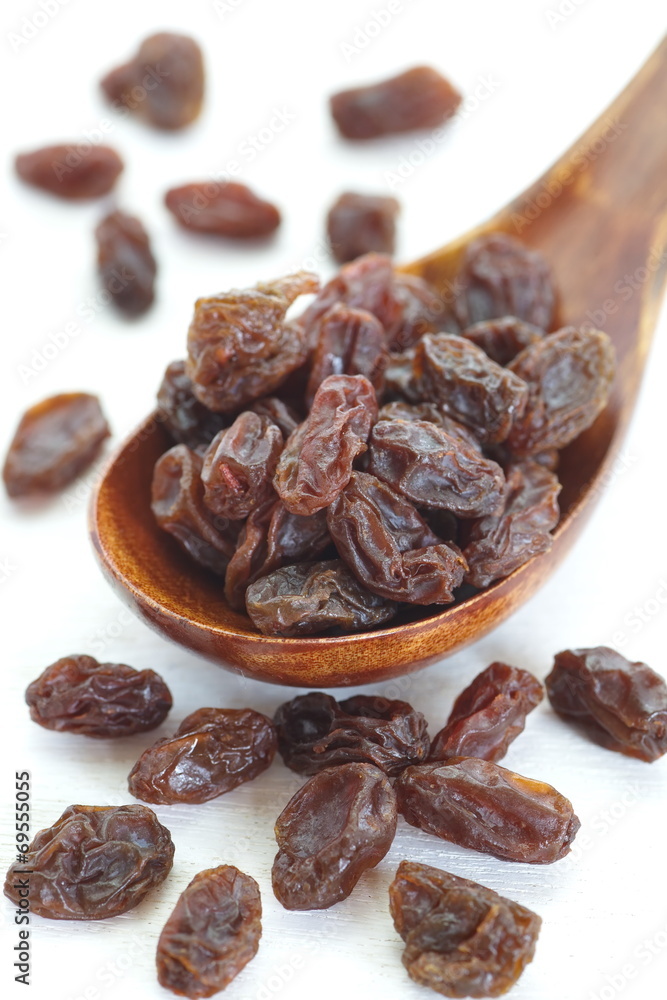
(599, 217)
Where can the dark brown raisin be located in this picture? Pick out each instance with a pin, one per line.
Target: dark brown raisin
(239, 465)
(279, 412)
(188, 421)
(349, 342)
(502, 339)
(222, 209)
(422, 311)
(66, 172)
(434, 414)
(361, 223)
(126, 265)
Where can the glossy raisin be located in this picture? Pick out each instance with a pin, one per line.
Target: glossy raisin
(619, 704)
(177, 501)
(338, 825)
(434, 414)
(502, 339)
(222, 209)
(488, 715)
(349, 342)
(56, 440)
(500, 543)
(314, 597)
(212, 751)
(279, 412)
(212, 933)
(501, 277)
(126, 265)
(461, 939)
(317, 461)
(421, 312)
(361, 223)
(239, 345)
(389, 546)
(401, 383)
(569, 376)
(67, 173)
(478, 804)
(416, 99)
(188, 421)
(239, 465)
(79, 695)
(163, 83)
(94, 862)
(316, 731)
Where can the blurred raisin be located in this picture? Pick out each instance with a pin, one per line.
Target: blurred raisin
(317, 461)
(569, 376)
(163, 83)
(94, 862)
(481, 805)
(419, 98)
(212, 751)
(239, 345)
(501, 277)
(316, 731)
(361, 223)
(66, 172)
(309, 598)
(389, 547)
(212, 933)
(621, 705)
(178, 505)
(239, 465)
(422, 311)
(349, 342)
(338, 825)
(469, 386)
(502, 339)
(222, 209)
(79, 695)
(488, 715)
(400, 381)
(187, 420)
(56, 440)
(279, 412)
(461, 939)
(126, 265)
(499, 543)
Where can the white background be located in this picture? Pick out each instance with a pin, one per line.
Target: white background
(547, 77)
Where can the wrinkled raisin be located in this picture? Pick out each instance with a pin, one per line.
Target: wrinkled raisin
(230, 209)
(349, 342)
(502, 339)
(434, 414)
(239, 465)
(188, 421)
(126, 265)
(421, 312)
(275, 409)
(54, 169)
(361, 223)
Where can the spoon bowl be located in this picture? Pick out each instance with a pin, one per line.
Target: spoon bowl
(599, 216)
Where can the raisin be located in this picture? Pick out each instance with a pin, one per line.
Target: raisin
(272, 537)
(239, 465)
(461, 939)
(500, 543)
(188, 421)
(501, 277)
(213, 751)
(569, 376)
(349, 342)
(619, 704)
(433, 469)
(361, 223)
(489, 714)
(222, 209)
(94, 862)
(79, 695)
(315, 731)
(416, 99)
(317, 461)
(126, 265)
(502, 339)
(239, 346)
(93, 173)
(314, 597)
(212, 933)
(434, 414)
(163, 83)
(469, 386)
(389, 547)
(275, 409)
(178, 505)
(401, 383)
(481, 805)
(56, 440)
(421, 312)
(338, 825)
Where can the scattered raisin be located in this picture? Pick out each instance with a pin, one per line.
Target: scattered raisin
(478, 804)
(126, 265)
(361, 223)
(621, 705)
(63, 172)
(212, 933)
(94, 862)
(316, 731)
(222, 209)
(56, 440)
(461, 939)
(79, 695)
(239, 465)
(212, 751)
(349, 342)
(416, 99)
(502, 339)
(187, 420)
(488, 715)
(338, 825)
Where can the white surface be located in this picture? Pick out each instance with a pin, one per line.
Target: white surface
(605, 918)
